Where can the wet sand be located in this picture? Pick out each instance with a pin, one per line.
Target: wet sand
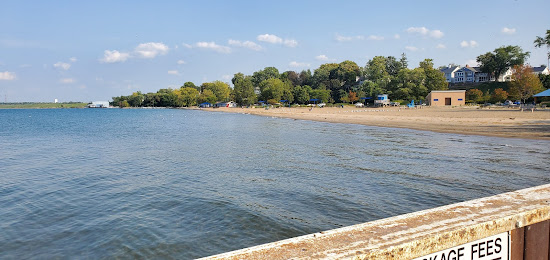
(500, 122)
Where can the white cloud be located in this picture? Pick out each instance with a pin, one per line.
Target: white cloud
(245, 44)
(322, 57)
(425, 32)
(189, 46)
(173, 72)
(290, 43)
(180, 62)
(296, 64)
(397, 36)
(472, 63)
(73, 59)
(6, 75)
(411, 48)
(62, 65)
(376, 38)
(151, 49)
(114, 56)
(270, 38)
(67, 80)
(441, 46)
(341, 38)
(466, 44)
(213, 46)
(507, 30)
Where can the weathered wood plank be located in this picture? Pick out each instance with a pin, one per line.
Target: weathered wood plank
(537, 241)
(517, 244)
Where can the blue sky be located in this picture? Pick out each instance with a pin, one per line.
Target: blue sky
(94, 50)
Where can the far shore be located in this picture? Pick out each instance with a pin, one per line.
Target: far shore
(499, 122)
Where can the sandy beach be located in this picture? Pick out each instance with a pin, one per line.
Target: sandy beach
(500, 122)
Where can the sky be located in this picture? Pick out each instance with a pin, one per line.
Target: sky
(94, 50)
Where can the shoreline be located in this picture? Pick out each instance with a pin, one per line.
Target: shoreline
(495, 122)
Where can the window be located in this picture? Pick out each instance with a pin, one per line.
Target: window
(436, 99)
(460, 99)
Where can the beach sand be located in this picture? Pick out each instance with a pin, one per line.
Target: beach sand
(500, 122)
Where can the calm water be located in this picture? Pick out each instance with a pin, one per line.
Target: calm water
(85, 183)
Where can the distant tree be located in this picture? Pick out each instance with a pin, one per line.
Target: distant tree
(301, 94)
(347, 73)
(499, 95)
(435, 79)
(501, 59)
(474, 95)
(306, 78)
(243, 89)
(188, 96)
(542, 41)
(524, 83)
(136, 99)
(207, 96)
(273, 89)
(352, 96)
(545, 80)
(190, 84)
(292, 77)
(322, 94)
(220, 89)
(124, 103)
(266, 73)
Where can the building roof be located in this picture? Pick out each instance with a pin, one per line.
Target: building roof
(445, 91)
(539, 69)
(545, 93)
(449, 69)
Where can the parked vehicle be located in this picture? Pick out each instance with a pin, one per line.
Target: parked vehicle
(359, 104)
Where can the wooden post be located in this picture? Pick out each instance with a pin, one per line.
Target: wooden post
(537, 241)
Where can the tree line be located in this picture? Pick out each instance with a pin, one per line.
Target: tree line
(345, 82)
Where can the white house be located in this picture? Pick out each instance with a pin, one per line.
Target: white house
(450, 73)
(541, 70)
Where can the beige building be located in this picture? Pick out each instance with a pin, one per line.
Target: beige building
(446, 98)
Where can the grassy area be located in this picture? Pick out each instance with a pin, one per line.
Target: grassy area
(42, 105)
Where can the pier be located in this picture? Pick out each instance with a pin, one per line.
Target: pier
(513, 225)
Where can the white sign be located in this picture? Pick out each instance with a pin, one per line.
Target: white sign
(490, 248)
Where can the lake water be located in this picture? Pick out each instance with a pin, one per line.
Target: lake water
(166, 183)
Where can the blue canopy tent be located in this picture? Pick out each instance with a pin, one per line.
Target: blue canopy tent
(284, 101)
(205, 104)
(545, 93)
(365, 99)
(314, 100)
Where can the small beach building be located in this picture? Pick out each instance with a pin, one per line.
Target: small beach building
(446, 98)
(205, 104)
(98, 104)
(226, 104)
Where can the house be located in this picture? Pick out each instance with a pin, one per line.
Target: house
(382, 100)
(467, 74)
(446, 98)
(226, 104)
(450, 73)
(541, 70)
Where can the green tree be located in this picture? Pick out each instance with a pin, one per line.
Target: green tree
(542, 41)
(435, 79)
(190, 84)
(322, 94)
(501, 59)
(524, 83)
(243, 89)
(188, 96)
(324, 74)
(267, 73)
(301, 94)
(220, 89)
(410, 85)
(136, 99)
(207, 96)
(273, 89)
(545, 80)
(347, 73)
(474, 95)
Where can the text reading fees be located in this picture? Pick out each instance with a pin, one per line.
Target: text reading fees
(490, 248)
